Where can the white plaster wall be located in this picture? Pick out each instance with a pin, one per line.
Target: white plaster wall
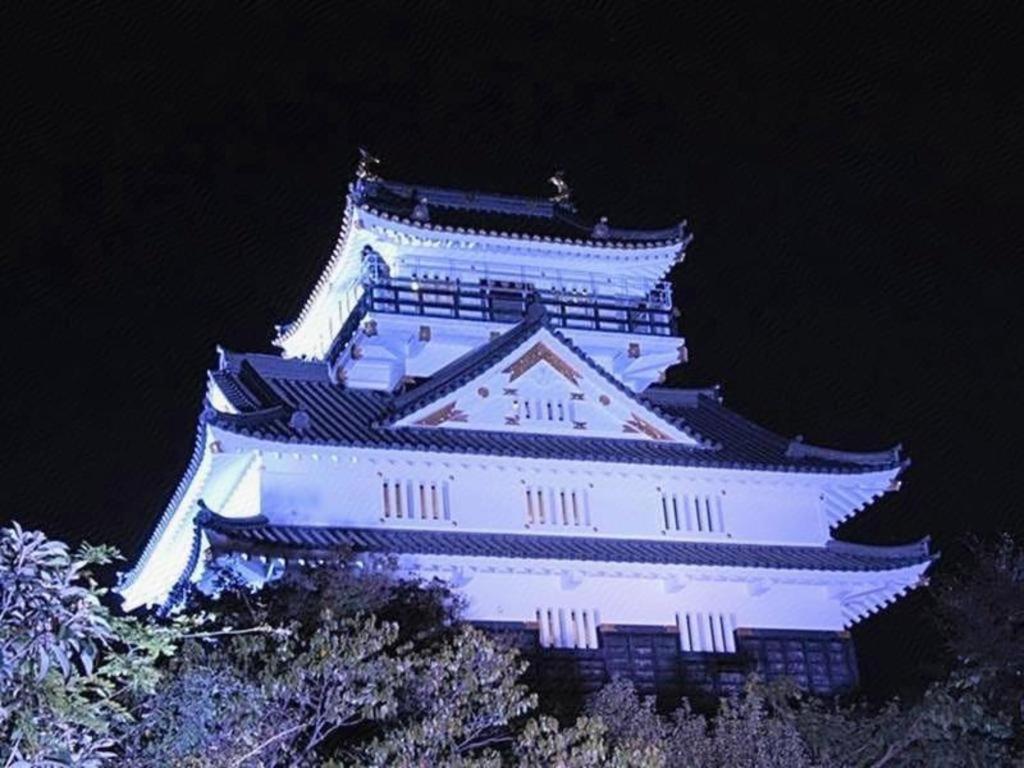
(344, 487)
(397, 341)
(630, 594)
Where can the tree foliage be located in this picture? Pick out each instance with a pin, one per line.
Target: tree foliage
(67, 664)
(746, 733)
(347, 666)
(982, 605)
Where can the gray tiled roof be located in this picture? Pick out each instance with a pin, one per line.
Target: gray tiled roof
(272, 389)
(835, 556)
(487, 213)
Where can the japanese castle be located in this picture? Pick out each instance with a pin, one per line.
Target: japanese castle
(474, 388)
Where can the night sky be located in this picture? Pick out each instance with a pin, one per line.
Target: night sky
(175, 181)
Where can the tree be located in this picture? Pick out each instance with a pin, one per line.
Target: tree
(461, 699)
(67, 665)
(982, 607)
(283, 674)
(747, 730)
(351, 686)
(628, 718)
(269, 698)
(948, 726)
(356, 667)
(332, 678)
(583, 745)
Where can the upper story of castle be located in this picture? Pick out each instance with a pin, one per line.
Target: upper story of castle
(418, 263)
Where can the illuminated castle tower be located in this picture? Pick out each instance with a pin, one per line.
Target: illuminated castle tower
(473, 386)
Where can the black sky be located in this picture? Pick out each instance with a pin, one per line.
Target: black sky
(175, 177)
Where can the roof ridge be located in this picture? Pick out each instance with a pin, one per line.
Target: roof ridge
(269, 364)
(208, 518)
(574, 547)
(688, 397)
(798, 449)
(464, 199)
(254, 383)
(921, 547)
(409, 204)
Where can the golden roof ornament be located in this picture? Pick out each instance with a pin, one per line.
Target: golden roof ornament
(563, 194)
(367, 164)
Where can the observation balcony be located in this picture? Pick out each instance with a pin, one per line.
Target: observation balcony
(506, 302)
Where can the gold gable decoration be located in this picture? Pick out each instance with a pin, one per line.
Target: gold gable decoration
(446, 413)
(636, 424)
(541, 352)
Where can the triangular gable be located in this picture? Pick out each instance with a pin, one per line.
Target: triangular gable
(537, 382)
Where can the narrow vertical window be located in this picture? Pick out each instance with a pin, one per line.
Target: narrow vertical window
(689, 634)
(433, 501)
(423, 501)
(529, 506)
(675, 513)
(540, 505)
(587, 630)
(446, 502)
(696, 507)
(387, 498)
(561, 412)
(725, 636)
(565, 508)
(575, 510)
(398, 499)
(707, 511)
(711, 627)
(664, 510)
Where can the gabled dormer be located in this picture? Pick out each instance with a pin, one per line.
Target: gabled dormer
(533, 379)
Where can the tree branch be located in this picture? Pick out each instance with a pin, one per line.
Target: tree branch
(900, 744)
(260, 747)
(228, 633)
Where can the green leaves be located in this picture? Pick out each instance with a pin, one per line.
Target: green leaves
(543, 742)
(363, 669)
(460, 699)
(65, 662)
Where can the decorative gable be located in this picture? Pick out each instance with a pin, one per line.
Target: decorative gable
(543, 385)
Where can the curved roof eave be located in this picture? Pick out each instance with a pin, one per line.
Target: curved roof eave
(678, 243)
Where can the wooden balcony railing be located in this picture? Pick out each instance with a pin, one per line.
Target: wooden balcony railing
(444, 298)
